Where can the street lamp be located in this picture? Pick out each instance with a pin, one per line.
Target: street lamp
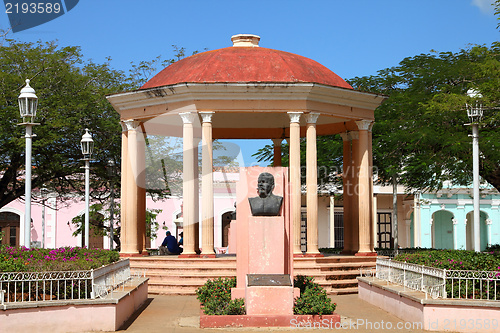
(28, 103)
(111, 173)
(87, 147)
(475, 113)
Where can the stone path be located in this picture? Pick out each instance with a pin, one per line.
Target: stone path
(180, 314)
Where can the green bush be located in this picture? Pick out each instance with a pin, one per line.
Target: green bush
(331, 250)
(215, 297)
(313, 299)
(461, 260)
(454, 259)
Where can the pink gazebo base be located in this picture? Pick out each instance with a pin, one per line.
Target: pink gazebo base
(293, 321)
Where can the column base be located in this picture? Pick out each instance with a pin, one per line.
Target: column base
(193, 255)
(366, 254)
(207, 255)
(127, 255)
(308, 255)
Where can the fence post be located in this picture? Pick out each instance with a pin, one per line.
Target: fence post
(92, 293)
(444, 283)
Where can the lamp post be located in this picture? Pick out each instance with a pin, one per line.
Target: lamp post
(111, 173)
(28, 103)
(475, 113)
(87, 146)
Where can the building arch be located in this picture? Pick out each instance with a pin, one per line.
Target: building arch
(225, 220)
(10, 223)
(483, 230)
(442, 230)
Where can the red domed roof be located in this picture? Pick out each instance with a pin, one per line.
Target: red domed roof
(245, 64)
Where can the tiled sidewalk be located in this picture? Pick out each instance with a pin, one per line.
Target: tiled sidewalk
(180, 314)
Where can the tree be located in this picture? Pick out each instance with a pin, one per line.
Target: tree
(71, 94)
(419, 135)
(99, 223)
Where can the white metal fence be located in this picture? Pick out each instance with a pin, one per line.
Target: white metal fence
(63, 285)
(430, 280)
(473, 284)
(438, 282)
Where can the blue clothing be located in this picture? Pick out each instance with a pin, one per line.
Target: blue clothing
(171, 243)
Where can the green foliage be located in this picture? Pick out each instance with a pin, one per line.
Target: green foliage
(215, 297)
(99, 223)
(454, 259)
(419, 134)
(313, 299)
(21, 259)
(71, 97)
(461, 260)
(331, 250)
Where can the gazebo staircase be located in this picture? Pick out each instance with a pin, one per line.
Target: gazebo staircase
(182, 276)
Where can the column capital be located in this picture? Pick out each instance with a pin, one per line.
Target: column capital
(455, 221)
(206, 116)
(312, 117)
(364, 125)
(277, 142)
(294, 116)
(489, 222)
(187, 117)
(131, 124)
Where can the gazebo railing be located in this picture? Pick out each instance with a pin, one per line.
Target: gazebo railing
(430, 280)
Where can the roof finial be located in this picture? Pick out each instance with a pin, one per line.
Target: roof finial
(245, 40)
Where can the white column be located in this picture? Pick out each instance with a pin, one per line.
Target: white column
(408, 232)
(129, 224)
(207, 189)
(312, 184)
(294, 170)
(188, 183)
(489, 222)
(365, 195)
(455, 241)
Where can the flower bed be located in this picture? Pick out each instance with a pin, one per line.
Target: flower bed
(471, 275)
(215, 298)
(22, 259)
(454, 259)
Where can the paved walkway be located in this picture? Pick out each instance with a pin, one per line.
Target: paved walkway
(180, 314)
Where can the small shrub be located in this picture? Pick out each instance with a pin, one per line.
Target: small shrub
(215, 297)
(313, 299)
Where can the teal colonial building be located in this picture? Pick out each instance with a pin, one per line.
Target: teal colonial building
(444, 220)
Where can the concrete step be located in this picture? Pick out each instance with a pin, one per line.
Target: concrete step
(343, 291)
(171, 275)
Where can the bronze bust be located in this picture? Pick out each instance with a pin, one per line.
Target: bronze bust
(266, 204)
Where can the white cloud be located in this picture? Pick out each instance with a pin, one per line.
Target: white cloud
(484, 5)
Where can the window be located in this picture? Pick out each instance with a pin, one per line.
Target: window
(384, 230)
(338, 221)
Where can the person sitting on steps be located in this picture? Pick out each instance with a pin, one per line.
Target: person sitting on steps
(169, 245)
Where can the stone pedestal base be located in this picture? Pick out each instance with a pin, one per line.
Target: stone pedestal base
(269, 300)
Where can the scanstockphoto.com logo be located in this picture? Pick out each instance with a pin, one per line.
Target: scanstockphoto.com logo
(26, 14)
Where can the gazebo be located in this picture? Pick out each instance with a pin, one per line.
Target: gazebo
(248, 92)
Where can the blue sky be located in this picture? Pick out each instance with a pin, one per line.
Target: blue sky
(352, 38)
